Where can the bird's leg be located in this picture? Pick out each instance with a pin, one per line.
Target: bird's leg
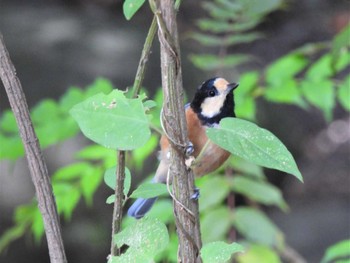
(189, 149)
(196, 194)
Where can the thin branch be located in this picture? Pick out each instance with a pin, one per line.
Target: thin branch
(120, 176)
(36, 163)
(174, 123)
(118, 203)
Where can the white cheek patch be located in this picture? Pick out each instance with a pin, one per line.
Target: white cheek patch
(211, 106)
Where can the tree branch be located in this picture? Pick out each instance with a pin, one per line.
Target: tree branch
(120, 176)
(118, 203)
(176, 130)
(36, 163)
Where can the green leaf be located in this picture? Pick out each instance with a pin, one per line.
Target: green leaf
(245, 107)
(212, 62)
(73, 96)
(8, 122)
(113, 120)
(72, 171)
(67, 198)
(140, 154)
(320, 69)
(212, 40)
(338, 251)
(210, 198)
(90, 182)
(214, 25)
(110, 178)
(320, 93)
(38, 226)
(257, 227)
(96, 152)
(45, 112)
(258, 254)
(220, 217)
(149, 190)
(11, 234)
(285, 92)
(219, 251)
(252, 143)
(162, 210)
(110, 199)
(130, 7)
(259, 191)
(259, 8)
(100, 85)
(145, 239)
(11, 147)
(219, 12)
(344, 93)
(247, 168)
(285, 68)
(340, 41)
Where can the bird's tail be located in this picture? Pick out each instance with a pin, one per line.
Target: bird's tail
(140, 207)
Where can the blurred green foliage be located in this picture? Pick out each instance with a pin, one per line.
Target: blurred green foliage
(311, 76)
(339, 252)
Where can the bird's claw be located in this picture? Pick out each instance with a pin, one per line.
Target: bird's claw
(196, 194)
(189, 149)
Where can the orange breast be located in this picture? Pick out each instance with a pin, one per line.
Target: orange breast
(213, 156)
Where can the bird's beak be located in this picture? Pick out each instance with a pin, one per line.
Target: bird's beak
(231, 86)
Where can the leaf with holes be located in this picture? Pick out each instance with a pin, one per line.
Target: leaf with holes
(145, 238)
(113, 120)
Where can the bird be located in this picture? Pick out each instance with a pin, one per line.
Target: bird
(212, 101)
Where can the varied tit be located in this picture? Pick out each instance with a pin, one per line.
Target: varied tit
(212, 102)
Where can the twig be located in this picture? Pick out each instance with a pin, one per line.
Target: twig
(37, 166)
(175, 128)
(118, 203)
(120, 176)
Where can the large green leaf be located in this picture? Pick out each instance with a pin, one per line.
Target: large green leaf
(259, 191)
(285, 68)
(338, 251)
(219, 251)
(257, 227)
(284, 91)
(320, 93)
(145, 239)
(113, 120)
(252, 143)
(220, 217)
(210, 198)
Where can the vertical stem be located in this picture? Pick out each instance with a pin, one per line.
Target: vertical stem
(118, 203)
(36, 163)
(120, 176)
(187, 221)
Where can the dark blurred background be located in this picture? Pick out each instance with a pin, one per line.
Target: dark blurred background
(59, 43)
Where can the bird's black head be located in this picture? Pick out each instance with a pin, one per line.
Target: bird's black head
(214, 100)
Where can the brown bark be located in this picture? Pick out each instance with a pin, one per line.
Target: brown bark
(174, 122)
(36, 163)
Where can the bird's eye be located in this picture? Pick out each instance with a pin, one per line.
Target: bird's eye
(211, 93)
